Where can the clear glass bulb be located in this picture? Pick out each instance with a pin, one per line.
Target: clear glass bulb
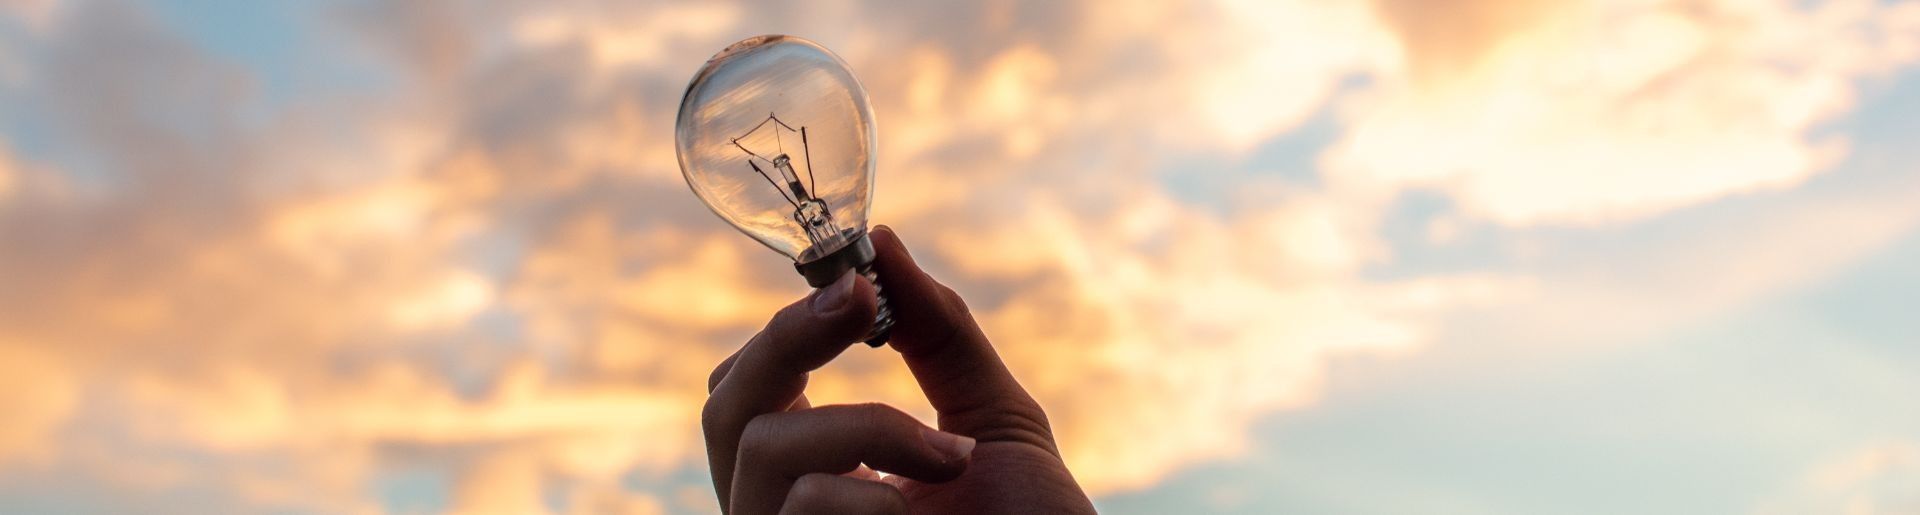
(776, 136)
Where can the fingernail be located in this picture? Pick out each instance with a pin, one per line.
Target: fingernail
(953, 447)
(834, 296)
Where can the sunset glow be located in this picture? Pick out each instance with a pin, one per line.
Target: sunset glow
(1388, 256)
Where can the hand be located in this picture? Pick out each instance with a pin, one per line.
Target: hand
(771, 452)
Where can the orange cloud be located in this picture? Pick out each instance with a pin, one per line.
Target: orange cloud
(41, 395)
(7, 179)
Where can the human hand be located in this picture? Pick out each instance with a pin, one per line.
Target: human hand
(772, 452)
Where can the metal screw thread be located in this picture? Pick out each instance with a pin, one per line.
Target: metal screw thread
(883, 314)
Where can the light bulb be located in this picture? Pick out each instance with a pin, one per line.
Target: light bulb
(776, 137)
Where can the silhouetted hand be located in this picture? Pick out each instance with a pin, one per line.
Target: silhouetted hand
(771, 452)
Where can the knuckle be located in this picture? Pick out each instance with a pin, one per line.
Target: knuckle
(1036, 421)
(722, 370)
(953, 298)
(758, 438)
(797, 321)
(811, 489)
(874, 414)
(799, 310)
(712, 414)
(888, 423)
(719, 373)
(950, 315)
(1026, 425)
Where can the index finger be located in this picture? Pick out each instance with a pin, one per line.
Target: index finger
(770, 372)
(957, 368)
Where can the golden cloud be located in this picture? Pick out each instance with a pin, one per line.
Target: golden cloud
(40, 395)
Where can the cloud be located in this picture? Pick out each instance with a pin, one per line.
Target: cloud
(1590, 112)
(40, 396)
(619, 38)
(1707, 264)
(7, 179)
(1876, 478)
(34, 12)
(489, 267)
(1154, 360)
(242, 307)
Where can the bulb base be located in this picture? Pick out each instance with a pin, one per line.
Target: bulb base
(823, 267)
(882, 313)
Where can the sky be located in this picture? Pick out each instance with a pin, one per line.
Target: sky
(1388, 256)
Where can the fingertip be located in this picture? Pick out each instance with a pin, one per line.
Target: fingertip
(885, 241)
(860, 280)
(892, 259)
(835, 314)
(855, 318)
(952, 447)
(851, 290)
(834, 296)
(864, 292)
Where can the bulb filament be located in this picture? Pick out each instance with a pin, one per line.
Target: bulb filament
(809, 210)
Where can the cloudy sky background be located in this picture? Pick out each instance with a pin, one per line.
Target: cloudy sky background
(1478, 256)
